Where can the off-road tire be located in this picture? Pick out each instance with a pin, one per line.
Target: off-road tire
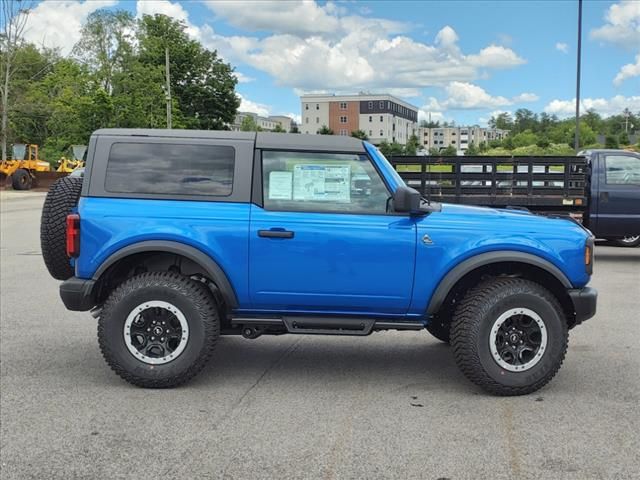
(21, 179)
(631, 241)
(62, 198)
(440, 329)
(193, 298)
(472, 323)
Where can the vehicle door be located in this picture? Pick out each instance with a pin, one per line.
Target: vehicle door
(618, 212)
(322, 238)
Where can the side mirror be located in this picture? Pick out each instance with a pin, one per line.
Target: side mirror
(406, 199)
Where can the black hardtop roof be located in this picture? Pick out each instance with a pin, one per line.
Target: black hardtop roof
(267, 140)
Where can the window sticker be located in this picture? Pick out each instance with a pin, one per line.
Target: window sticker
(280, 185)
(322, 183)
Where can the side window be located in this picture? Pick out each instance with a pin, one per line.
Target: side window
(622, 170)
(170, 169)
(322, 182)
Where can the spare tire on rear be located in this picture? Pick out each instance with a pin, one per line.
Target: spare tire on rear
(63, 196)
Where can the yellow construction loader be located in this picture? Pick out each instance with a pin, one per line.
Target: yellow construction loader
(68, 165)
(24, 166)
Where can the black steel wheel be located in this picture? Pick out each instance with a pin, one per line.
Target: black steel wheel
(158, 330)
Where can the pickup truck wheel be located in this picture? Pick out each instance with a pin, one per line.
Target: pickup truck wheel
(61, 199)
(509, 336)
(440, 329)
(158, 330)
(629, 241)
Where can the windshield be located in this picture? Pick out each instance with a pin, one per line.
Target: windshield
(385, 165)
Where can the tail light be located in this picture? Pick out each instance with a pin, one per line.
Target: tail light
(73, 235)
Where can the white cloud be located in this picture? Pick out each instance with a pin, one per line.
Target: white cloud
(296, 117)
(464, 95)
(627, 71)
(496, 56)
(605, 107)
(242, 78)
(247, 105)
(58, 24)
(526, 97)
(562, 47)
(622, 25)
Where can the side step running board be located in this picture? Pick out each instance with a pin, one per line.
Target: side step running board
(253, 327)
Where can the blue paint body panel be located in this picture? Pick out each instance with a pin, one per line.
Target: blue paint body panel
(336, 263)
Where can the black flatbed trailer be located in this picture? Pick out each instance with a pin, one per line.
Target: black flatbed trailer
(558, 184)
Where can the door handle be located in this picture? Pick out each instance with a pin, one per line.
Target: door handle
(275, 233)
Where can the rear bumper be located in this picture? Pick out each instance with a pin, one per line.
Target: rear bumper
(584, 303)
(77, 294)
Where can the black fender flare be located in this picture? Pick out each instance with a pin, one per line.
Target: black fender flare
(213, 270)
(483, 259)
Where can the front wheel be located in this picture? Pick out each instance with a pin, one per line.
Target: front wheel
(509, 336)
(21, 179)
(629, 241)
(159, 329)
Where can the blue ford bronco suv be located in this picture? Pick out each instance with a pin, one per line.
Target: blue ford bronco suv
(175, 237)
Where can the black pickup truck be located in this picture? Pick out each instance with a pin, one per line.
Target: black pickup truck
(601, 188)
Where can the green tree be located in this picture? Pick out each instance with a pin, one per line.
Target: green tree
(411, 148)
(278, 129)
(525, 120)
(359, 134)
(203, 85)
(623, 138)
(449, 151)
(249, 124)
(472, 150)
(508, 143)
(611, 141)
(502, 121)
(324, 130)
(429, 124)
(106, 44)
(295, 129)
(524, 139)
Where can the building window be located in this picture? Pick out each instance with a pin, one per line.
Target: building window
(453, 133)
(453, 142)
(306, 106)
(370, 118)
(381, 118)
(370, 133)
(381, 104)
(306, 120)
(370, 105)
(343, 105)
(343, 132)
(343, 119)
(317, 119)
(382, 133)
(317, 106)
(389, 105)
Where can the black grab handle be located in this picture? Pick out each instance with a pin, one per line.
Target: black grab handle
(275, 233)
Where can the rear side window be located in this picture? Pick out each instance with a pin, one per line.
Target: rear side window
(170, 169)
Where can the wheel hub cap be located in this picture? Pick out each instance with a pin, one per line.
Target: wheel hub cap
(156, 332)
(518, 339)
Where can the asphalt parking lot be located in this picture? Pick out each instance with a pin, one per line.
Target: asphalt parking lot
(392, 405)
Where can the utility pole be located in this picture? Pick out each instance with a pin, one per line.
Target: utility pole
(167, 91)
(626, 114)
(577, 141)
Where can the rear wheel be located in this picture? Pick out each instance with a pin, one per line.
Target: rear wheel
(21, 179)
(509, 336)
(158, 330)
(62, 198)
(629, 241)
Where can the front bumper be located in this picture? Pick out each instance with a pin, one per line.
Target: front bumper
(77, 294)
(584, 303)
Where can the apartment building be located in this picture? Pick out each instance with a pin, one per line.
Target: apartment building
(382, 117)
(266, 124)
(458, 137)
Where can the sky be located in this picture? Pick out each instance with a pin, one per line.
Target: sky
(455, 60)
